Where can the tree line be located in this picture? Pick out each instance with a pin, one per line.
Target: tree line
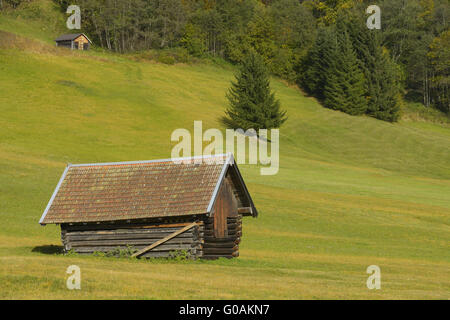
(322, 45)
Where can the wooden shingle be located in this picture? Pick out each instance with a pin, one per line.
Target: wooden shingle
(142, 189)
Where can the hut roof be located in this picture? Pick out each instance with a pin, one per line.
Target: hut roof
(142, 189)
(70, 37)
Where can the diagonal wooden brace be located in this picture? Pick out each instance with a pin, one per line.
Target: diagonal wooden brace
(170, 236)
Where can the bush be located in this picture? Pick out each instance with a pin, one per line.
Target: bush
(121, 253)
(71, 253)
(166, 59)
(13, 3)
(180, 255)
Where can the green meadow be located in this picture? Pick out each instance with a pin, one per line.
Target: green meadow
(351, 191)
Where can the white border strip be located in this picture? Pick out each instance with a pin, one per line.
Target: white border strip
(54, 195)
(228, 161)
(146, 161)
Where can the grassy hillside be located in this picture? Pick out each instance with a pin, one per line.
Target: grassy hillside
(351, 191)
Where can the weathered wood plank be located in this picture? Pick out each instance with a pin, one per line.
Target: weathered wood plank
(135, 242)
(219, 245)
(245, 210)
(157, 243)
(208, 233)
(122, 225)
(212, 239)
(128, 231)
(219, 251)
(229, 225)
(128, 236)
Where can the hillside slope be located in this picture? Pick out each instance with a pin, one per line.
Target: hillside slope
(351, 191)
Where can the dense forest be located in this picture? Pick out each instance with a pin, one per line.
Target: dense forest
(323, 46)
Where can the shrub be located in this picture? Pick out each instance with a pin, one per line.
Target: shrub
(166, 59)
(180, 255)
(121, 253)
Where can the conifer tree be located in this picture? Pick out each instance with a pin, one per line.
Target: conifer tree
(345, 83)
(313, 75)
(382, 78)
(382, 87)
(252, 103)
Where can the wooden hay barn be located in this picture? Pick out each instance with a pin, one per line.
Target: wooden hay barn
(158, 207)
(74, 41)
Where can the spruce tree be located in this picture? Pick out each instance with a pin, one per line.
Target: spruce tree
(345, 83)
(382, 87)
(382, 78)
(313, 74)
(252, 103)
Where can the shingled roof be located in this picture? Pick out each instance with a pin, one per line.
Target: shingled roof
(141, 189)
(70, 37)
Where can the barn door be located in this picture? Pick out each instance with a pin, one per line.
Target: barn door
(225, 206)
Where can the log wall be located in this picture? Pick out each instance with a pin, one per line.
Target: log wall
(89, 238)
(199, 241)
(227, 246)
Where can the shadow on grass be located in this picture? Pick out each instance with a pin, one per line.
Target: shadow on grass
(49, 249)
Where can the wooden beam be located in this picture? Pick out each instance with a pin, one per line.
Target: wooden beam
(170, 236)
(245, 210)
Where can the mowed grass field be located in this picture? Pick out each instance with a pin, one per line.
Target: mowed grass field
(351, 191)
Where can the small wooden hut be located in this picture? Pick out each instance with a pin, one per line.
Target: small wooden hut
(158, 207)
(74, 41)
